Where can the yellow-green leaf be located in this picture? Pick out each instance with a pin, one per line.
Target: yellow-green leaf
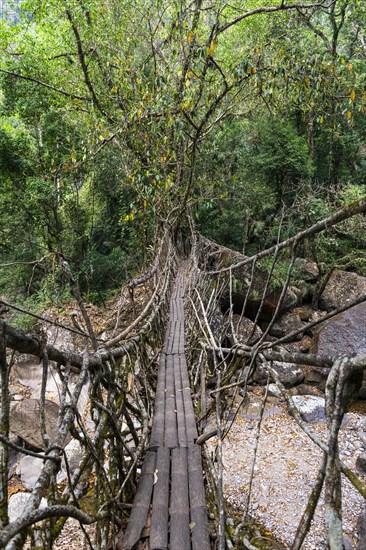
(213, 47)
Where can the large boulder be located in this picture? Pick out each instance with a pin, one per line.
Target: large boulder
(289, 322)
(28, 372)
(343, 334)
(25, 421)
(288, 373)
(311, 408)
(247, 332)
(74, 453)
(272, 293)
(217, 325)
(242, 279)
(342, 286)
(306, 269)
(18, 502)
(29, 469)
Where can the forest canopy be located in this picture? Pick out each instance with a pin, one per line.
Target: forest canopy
(116, 115)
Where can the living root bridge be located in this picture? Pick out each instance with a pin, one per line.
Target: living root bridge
(171, 477)
(120, 407)
(121, 397)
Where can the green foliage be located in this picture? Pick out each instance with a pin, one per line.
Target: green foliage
(33, 293)
(111, 118)
(257, 166)
(279, 155)
(102, 272)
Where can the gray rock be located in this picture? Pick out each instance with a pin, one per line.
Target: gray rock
(17, 397)
(311, 408)
(13, 454)
(25, 421)
(288, 373)
(361, 531)
(17, 504)
(247, 332)
(29, 469)
(362, 392)
(304, 312)
(306, 269)
(289, 322)
(274, 390)
(304, 389)
(217, 325)
(343, 334)
(74, 453)
(342, 286)
(28, 372)
(361, 463)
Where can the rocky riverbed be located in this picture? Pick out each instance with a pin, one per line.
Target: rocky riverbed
(285, 470)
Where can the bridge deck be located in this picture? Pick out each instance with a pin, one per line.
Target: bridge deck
(171, 484)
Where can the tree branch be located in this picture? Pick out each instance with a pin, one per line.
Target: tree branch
(45, 85)
(265, 10)
(39, 515)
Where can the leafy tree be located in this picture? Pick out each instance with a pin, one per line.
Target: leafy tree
(152, 85)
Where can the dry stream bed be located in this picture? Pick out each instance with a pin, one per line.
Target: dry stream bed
(285, 471)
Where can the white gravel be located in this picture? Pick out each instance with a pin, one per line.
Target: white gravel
(285, 471)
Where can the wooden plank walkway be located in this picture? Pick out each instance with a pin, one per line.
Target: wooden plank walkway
(171, 485)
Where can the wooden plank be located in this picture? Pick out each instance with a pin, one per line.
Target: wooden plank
(160, 503)
(182, 289)
(158, 428)
(191, 427)
(141, 503)
(172, 311)
(179, 505)
(182, 340)
(171, 429)
(175, 346)
(199, 521)
(172, 335)
(181, 420)
(165, 348)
